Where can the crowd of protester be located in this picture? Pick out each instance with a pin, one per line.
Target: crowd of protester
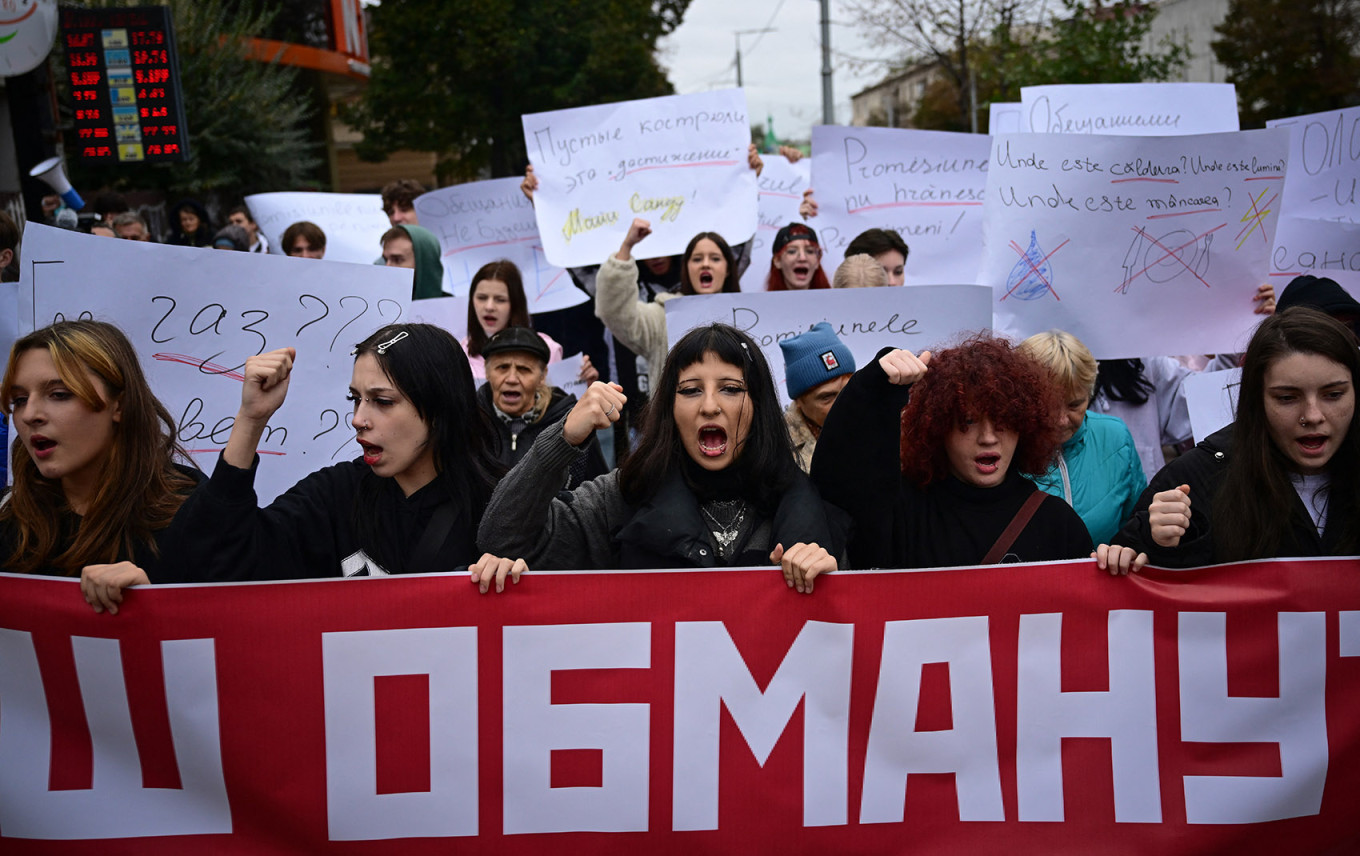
(983, 452)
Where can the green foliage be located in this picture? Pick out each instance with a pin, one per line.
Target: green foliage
(454, 76)
(248, 121)
(1100, 43)
(1291, 57)
(1084, 42)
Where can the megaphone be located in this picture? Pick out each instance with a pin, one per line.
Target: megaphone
(54, 174)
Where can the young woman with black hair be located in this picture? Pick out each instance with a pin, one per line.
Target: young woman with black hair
(411, 504)
(96, 485)
(1284, 478)
(712, 483)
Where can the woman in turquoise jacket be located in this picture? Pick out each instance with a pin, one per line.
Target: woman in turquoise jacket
(1097, 469)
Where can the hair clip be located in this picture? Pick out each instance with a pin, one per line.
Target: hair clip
(745, 350)
(382, 348)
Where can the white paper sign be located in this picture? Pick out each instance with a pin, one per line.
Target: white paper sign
(449, 313)
(354, 223)
(1319, 247)
(1135, 245)
(865, 319)
(1007, 117)
(565, 374)
(781, 192)
(1212, 399)
(1324, 165)
(195, 315)
(485, 221)
(928, 186)
(9, 319)
(1131, 109)
(677, 161)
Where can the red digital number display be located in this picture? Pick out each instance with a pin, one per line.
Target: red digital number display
(121, 68)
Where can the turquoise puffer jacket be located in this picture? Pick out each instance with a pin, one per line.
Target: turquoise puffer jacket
(1099, 474)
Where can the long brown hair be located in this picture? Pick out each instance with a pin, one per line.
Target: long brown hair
(140, 489)
(501, 271)
(1251, 513)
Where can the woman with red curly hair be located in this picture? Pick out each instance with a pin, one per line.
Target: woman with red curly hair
(940, 483)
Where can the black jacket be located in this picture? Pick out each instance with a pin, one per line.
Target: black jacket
(339, 521)
(1203, 468)
(669, 531)
(171, 542)
(857, 466)
(511, 448)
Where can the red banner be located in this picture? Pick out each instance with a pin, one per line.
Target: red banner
(1018, 709)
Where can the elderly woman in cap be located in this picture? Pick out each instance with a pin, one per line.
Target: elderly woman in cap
(797, 261)
(817, 365)
(521, 401)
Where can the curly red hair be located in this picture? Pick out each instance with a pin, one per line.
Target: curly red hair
(983, 376)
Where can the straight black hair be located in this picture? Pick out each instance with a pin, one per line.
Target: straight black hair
(765, 466)
(1123, 380)
(429, 367)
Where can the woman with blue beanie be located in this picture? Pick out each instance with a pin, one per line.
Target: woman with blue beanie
(817, 365)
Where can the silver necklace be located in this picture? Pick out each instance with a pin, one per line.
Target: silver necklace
(725, 532)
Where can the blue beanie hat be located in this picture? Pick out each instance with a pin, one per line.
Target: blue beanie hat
(813, 358)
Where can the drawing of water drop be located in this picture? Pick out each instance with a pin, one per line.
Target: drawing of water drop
(1032, 275)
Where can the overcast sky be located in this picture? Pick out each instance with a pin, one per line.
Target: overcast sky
(781, 71)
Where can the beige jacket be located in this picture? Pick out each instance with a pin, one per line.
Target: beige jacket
(639, 326)
(800, 435)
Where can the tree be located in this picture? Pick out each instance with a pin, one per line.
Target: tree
(1291, 57)
(996, 48)
(453, 76)
(947, 32)
(248, 121)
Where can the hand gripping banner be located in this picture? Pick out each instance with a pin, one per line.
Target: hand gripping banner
(1021, 709)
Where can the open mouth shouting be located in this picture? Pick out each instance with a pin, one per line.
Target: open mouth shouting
(1313, 445)
(706, 280)
(987, 463)
(712, 441)
(372, 453)
(41, 446)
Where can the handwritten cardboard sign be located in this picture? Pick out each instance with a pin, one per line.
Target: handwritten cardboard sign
(1136, 245)
(781, 192)
(678, 161)
(195, 315)
(865, 319)
(928, 186)
(1324, 165)
(485, 221)
(1130, 109)
(354, 223)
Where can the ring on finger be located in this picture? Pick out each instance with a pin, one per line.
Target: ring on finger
(610, 411)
